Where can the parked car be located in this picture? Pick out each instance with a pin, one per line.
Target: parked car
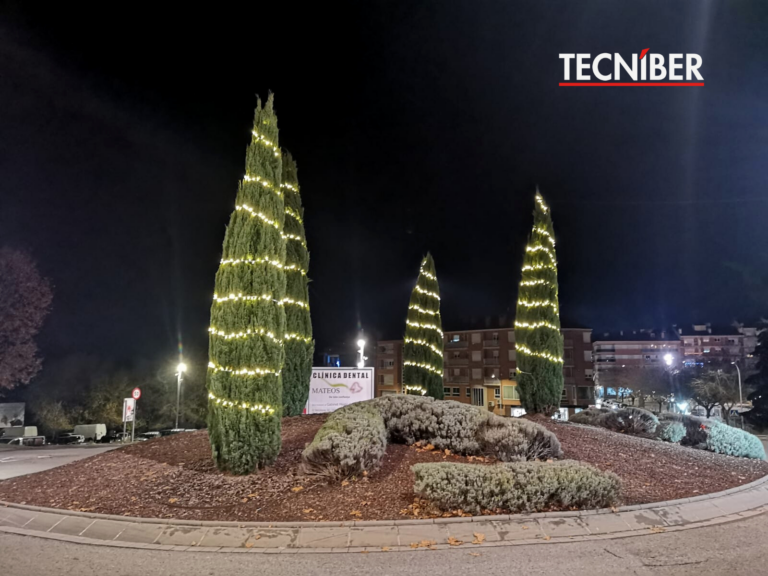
(170, 431)
(24, 441)
(69, 438)
(115, 436)
(148, 436)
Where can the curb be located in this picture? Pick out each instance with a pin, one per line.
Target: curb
(374, 523)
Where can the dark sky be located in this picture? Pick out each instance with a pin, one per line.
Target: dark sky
(416, 126)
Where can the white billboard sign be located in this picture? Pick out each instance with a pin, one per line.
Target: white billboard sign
(332, 388)
(129, 408)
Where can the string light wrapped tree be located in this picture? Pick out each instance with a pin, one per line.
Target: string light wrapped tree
(299, 345)
(538, 340)
(423, 342)
(246, 353)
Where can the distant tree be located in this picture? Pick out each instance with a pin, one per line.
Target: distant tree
(715, 388)
(759, 381)
(246, 353)
(643, 384)
(423, 342)
(538, 340)
(299, 345)
(51, 416)
(25, 300)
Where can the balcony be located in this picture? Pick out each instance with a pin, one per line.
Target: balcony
(491, 343)
(457, 361)
(457, 379)
(492, 381)
(491, 361)
(458, 344)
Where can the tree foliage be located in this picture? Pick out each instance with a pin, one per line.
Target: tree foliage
(25, 300)
(423, 342)
(538, 340)
(248, 313)
(715, 388)
(299, 345)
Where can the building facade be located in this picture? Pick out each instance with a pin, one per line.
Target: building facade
(479, 368)
(704, 343)
(635, 349)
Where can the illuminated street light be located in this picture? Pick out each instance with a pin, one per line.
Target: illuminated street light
(669, 358)
(180, 369)
(361, 358)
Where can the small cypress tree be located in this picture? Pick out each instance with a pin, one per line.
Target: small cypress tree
(423, 342)
(538, 340)
(247, 316)
(299, 346)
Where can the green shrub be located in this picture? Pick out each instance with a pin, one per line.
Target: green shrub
(670, 431)
(625, 420)
(352, 440)
(725, 439)
(695, 428)
(465, 429)
(517, 487)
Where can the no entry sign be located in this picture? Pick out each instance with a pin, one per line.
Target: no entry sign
(136, 394)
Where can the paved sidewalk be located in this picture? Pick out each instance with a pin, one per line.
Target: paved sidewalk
(370, 536)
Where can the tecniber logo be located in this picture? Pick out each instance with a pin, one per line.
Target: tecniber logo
(642, 69)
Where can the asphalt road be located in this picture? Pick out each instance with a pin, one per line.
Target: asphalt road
(20, 461)
(735, 548)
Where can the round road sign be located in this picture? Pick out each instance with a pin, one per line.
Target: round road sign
(136, 393)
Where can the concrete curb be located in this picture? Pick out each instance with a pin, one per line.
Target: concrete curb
(371, 523)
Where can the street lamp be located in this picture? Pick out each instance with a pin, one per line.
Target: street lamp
(180, 369)
(741, 400)
(669, 358)
(361, 348)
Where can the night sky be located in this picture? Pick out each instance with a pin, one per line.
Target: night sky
(416, 126)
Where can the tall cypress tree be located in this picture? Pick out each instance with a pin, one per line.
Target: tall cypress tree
(247, 316)
(538, 339)
(423, 343)
(299, 345)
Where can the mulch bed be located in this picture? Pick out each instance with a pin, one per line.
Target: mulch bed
(174, 477)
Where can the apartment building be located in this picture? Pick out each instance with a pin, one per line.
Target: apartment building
(635, 349)
(479, 368)
(705, 343)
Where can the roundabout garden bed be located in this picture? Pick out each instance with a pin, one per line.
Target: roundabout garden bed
(174, 477)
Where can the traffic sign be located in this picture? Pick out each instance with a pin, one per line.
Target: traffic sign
(136, 393)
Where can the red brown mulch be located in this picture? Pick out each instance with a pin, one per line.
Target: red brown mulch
(174, 477)
(653, 471)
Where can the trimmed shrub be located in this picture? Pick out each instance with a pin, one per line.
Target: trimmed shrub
(725, 439)
(465, 429)
(625, 420)
(352, 440)
(670, 431)
(695, 428)
(517, 487)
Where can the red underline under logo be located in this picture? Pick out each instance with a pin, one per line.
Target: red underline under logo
(624, 84)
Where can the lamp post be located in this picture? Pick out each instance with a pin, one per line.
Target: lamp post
(361, 349)
(741, 400)
(669, 359)
(180, 369)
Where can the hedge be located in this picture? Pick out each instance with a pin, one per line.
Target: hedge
(725, 439)
(516, 487)
(625, 420)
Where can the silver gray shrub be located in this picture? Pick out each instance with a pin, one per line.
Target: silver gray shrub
(516, 487)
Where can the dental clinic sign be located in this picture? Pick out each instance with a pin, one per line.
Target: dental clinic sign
(643, 69)
(332, 388)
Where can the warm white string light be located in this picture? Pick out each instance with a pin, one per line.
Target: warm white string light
(243, 371)
(537, 304)
(534, 325)
(253, 407)
(427, 292)
(290, 212)
(425, 326)
(235, 297)
(295, 336)
(245, 334)
(289, 186)
(430, 312)
(428, 275)
(265, 183)
(533, 282)
(295, 237)
(415, 388)
(275, 263)
(546, 355)
(261, 216)
(432, 347)
(423, 365)
(544, 249)
(292, 302)
(546, 234)
(268, 143)
(541, 203)
(539, 267)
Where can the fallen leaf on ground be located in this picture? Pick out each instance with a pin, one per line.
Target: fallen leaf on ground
(385, 548)
(453, 542)
(356, 513)
(173, 500)
(657, 529)
(249, 544)
(479, 538)
(345, 483)
(525, 527)
(474, 553)
(547, 537)
(297, 488)
(308, 510)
